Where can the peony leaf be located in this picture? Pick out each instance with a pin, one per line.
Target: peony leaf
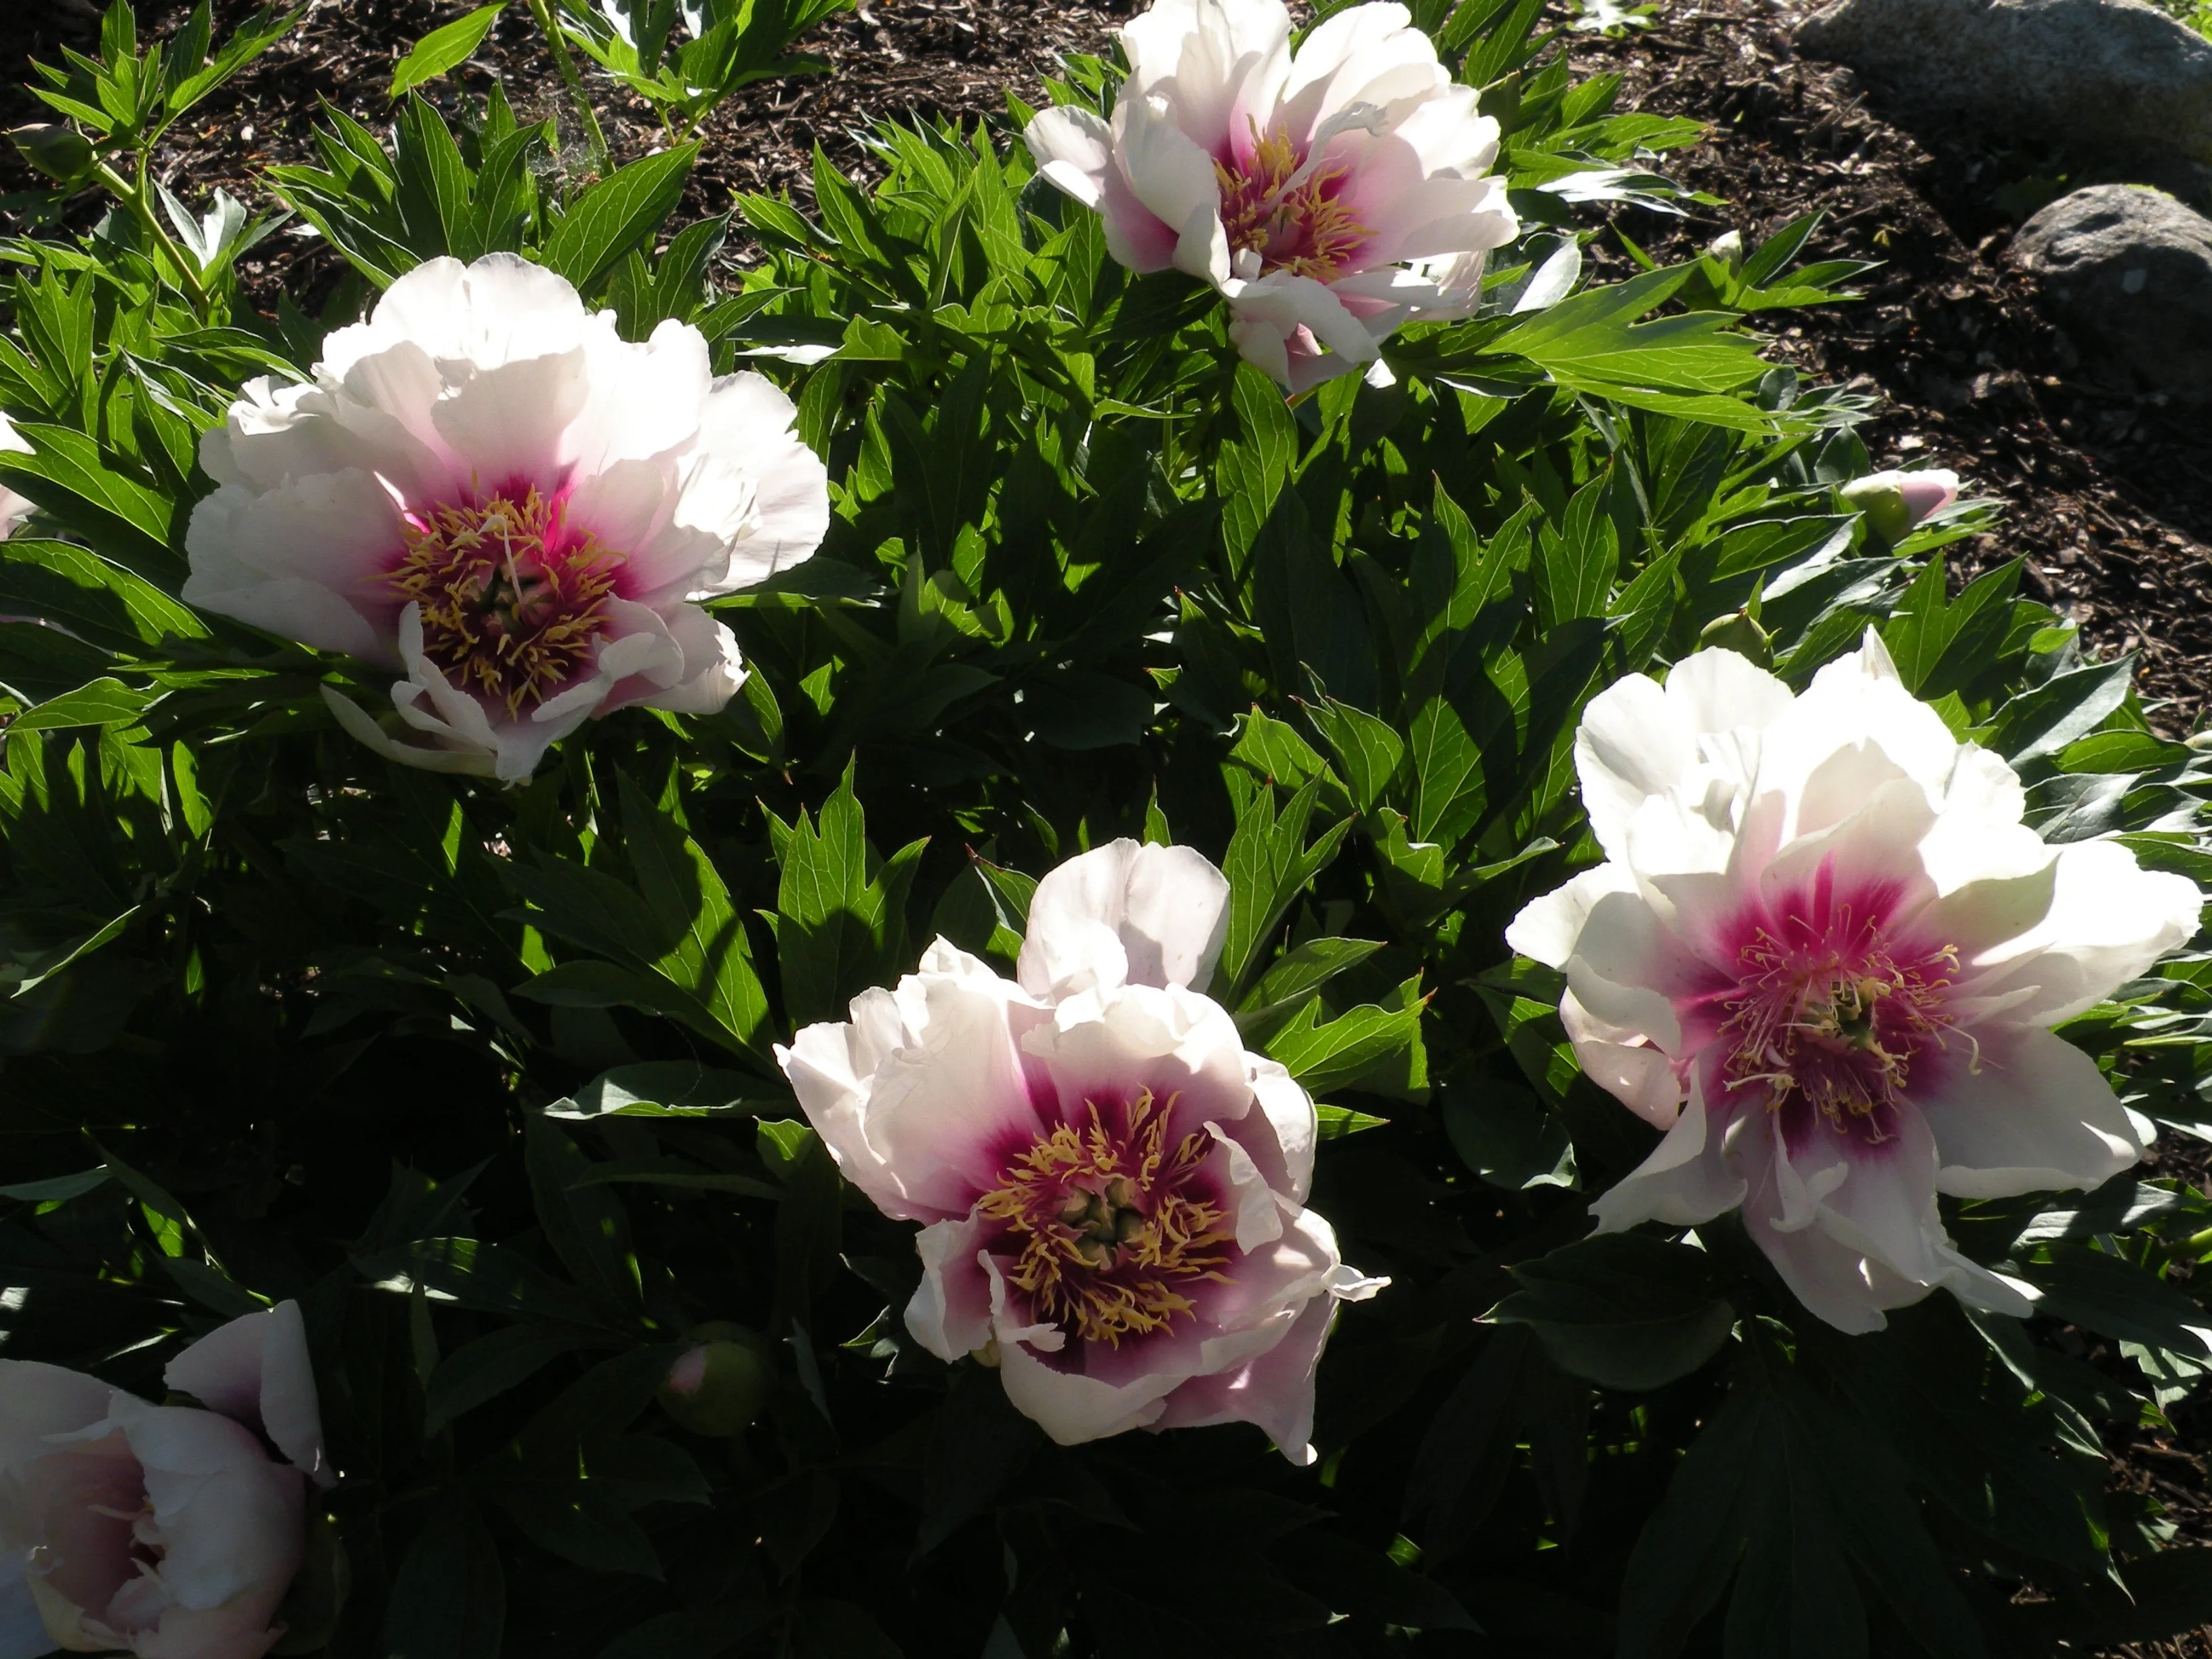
(445, 48)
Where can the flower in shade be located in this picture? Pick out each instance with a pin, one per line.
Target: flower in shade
(1824, 954)
(1331, 195)
(487, 490)
(1113, 1188)
(167, 1531)
(1894, 502)
(13, 507)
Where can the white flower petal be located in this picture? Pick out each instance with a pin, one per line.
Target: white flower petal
(2023, 1111)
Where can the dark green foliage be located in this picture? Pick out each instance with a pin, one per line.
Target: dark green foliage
(484, 1078)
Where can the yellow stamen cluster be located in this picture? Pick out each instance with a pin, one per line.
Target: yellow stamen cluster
(1106, 1231)
(1296, 225)
(503, 612)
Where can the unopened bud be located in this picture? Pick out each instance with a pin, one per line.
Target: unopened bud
(719, 1387)
(1894, 502)
(1728, 248)
(60, 152)
(1738, 633)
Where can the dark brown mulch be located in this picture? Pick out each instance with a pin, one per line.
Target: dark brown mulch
(2109, 492)
(953, 60)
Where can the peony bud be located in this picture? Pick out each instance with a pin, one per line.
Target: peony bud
(1894, 502)
(1737, 632)
(719, 1387)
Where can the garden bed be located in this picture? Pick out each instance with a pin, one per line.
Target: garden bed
(2109, 498)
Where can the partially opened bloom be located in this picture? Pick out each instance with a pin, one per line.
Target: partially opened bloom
(1331, 195)
(1113, 1188)
(165, 1531)
(1894, 502)
(1824, 954)
(487, 490)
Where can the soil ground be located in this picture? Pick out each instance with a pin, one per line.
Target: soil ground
(2108, 492)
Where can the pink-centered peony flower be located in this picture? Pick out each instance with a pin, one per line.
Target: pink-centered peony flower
(1331, 195)
(489, 490)
(1824, 954)
(169, 1532)
(1113, 1188)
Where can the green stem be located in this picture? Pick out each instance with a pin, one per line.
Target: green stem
(566, 65)
(133, 197)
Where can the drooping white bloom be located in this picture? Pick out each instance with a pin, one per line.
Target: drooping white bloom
(165, 1531)
(1114, 1188)
(488, 489)
(1824, 954)
(1332, 195)
(13, 507)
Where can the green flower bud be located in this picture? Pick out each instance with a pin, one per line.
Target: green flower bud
(1738, 633)
(719, 1387)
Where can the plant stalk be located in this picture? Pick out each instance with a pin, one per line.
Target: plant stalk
(565, 64)
(133, 197)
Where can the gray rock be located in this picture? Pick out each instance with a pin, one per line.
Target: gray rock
(2115, 75)
(2129, 271)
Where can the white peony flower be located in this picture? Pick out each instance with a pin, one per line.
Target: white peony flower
(1331, 195)
(165, 1531)
(1114, 1188)
(488, 489)
(1824, 954)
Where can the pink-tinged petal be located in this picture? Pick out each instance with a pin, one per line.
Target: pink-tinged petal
(1274, 1390)
(1174, 180)
(1125, 913)
(255, 1370)
(1622, 1061)
(512, 422)
(927, 1126)
(950, 1312)
(1070, 1408)
(2024, 1111)
(1687, 1179)
(1172, 1042)
(231, 1523)
(73, 1505)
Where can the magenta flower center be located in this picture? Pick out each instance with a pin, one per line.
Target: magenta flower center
(1831, 1022)
(1107, 1228)
(1292, 214)
(513, 598)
